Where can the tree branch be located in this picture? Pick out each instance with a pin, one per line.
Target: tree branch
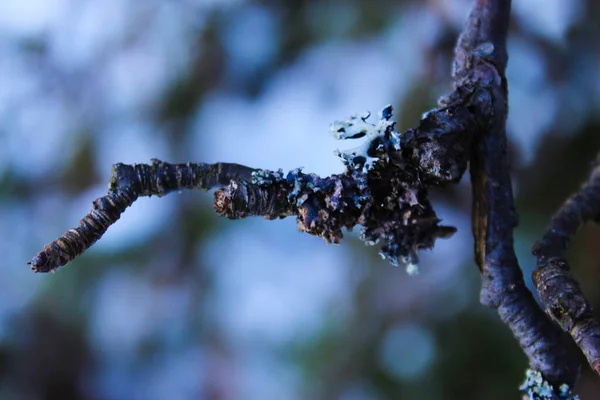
(127, 183)
(481, 57)
(559, 291)
(384, 189)
(484, 35)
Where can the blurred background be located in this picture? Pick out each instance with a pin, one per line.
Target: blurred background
(175, 303)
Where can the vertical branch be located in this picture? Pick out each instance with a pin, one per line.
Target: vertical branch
(485, 31)
(481, 55)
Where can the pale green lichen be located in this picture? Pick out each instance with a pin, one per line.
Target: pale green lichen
(537, 388)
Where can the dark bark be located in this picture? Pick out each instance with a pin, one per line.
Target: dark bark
(494, 217)
(384, 189)
(559, 291)
(127, 183)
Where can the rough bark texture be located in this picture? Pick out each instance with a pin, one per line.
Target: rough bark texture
(384, 189)
(494, 217)
(127, 183)
(560, 293)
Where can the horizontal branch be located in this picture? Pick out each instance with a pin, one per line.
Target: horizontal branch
(559, 291)
(127, 183)
(383, 189)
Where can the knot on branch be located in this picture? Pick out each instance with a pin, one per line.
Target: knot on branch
(560, 293)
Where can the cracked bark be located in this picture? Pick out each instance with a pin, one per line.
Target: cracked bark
(385, 190)
(559, 291)
(494, 217)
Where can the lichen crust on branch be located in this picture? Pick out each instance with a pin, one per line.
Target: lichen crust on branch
(384, 189)
(536, 387)
(380, 190)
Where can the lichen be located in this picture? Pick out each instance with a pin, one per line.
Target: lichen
(264, 177)
(412, 269)
(374, 148)
(537, 388)
(394, 206)
(380, 190)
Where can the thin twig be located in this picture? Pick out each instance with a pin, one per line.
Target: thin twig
(559, 291)
(127, 183)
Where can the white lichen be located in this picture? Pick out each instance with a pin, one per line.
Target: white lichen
(265, 177)
(378, 136)
(412, 269)
(537, 388)
(353, 128)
